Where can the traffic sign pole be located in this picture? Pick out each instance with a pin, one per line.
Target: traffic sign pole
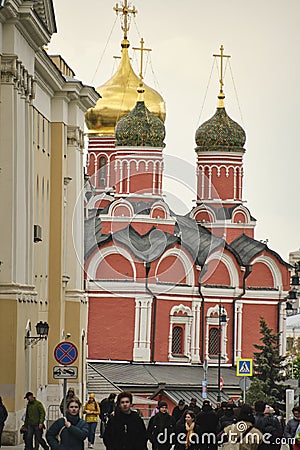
(65, 396)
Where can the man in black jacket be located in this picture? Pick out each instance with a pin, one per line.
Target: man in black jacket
(161, 428)
(179, 410)
(125, 429)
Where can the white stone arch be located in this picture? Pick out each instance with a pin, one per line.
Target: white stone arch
(121, 202)
(245, 211)
(212, 320)
(95, 198)
(206, 209)
(185, 260)
(184, 319)
(162, 206)
(228, 262)
(100, 255)
(274, 269)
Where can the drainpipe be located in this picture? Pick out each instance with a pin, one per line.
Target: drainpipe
(153, 334)
(204, 268)
(248, 270)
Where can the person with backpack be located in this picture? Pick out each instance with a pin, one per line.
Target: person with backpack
(268, 425)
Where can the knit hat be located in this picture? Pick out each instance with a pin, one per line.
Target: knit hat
(161, 404)
(92, 396)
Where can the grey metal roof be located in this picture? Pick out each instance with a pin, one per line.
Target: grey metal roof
(126, 374)
(186, 395)
(247, 248)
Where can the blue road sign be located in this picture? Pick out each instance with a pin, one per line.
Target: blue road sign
(65, 353)
(244, 367)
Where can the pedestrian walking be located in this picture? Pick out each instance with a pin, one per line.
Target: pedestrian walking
(161, 428)
(179, 410)
(193, 406)
(242, 435)
(125, 430)
(34, 422)
(187, 433)
(207, 420)
(291, 427)
(268, 425)
(68, 433)
(70, 396)
(91, 410)
(107, 407)
(3, 417)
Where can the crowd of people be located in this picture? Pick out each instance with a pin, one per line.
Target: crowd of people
(188, 427)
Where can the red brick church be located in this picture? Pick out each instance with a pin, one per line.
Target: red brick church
(158, 282)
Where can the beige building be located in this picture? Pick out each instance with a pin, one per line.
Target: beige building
(41, 215)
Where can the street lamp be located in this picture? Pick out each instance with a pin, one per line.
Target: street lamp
(222, 319)
(42, 329)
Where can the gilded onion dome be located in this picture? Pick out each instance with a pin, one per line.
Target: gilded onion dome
(119, 96)
(220, 133)
(140, 128)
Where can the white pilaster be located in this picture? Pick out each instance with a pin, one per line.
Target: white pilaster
(142, 329)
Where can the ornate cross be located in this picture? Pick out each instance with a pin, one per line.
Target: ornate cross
(221, 96)
(125, 11)
(142, 49)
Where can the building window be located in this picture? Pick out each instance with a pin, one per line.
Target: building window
(102, 172)
(213, 344)
(177, 341)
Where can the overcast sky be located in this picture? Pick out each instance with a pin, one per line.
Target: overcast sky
(263, 41)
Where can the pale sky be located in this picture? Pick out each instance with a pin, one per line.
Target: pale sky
(263, 41)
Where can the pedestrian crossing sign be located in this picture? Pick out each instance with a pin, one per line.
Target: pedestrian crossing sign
(244, 367)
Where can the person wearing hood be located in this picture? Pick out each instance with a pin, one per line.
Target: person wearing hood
(161, 428)
(228, 417)
(70, 396)
(68, 432)
(291, 427)
(125, 430)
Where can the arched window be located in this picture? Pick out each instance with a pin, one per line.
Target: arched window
(177, 340)
(213, 344)
(102, 172)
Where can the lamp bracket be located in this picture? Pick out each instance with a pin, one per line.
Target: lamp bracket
(31, 341)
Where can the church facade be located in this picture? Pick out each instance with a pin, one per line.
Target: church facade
(165, 288)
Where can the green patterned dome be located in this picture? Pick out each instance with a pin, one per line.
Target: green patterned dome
(220, 133)
(140, 128)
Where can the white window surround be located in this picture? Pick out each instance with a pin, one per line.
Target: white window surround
(212, 319)
(102, 254)
(181, 315)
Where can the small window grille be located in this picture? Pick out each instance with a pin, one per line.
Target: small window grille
(177, 335)
(213, 346)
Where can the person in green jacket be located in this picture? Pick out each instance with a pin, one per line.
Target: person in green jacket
(34, 422)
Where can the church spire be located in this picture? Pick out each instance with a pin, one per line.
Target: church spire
(141, 88)
(125, 10)
(221, 95)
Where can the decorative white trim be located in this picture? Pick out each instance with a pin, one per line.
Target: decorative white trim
(102, 254)
(245, 211)
(116, 204)
(185, 318)
(212, 319)
(195, 332)
(142, 329)
(271, 264)
(228, 262)
(183, 257)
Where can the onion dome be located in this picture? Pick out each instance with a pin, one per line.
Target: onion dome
(140, 128)
(220, 133)
(118, 98)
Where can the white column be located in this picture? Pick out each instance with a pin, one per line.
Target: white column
(209, 182)
(282, 328)
(142, 329)
(195, 332)
(128, 177)
(239, 322)
(202, 181)
(234, 182)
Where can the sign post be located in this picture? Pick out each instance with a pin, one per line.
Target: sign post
(244, 368)
(66, 354)
(204, 381)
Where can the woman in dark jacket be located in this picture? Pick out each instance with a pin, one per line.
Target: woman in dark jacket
(68, 433)
(187, 433)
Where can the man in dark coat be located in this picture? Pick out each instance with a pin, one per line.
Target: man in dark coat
(125, 430)
(179, 410)
(268, 425)
(161, 428)
(208, 427)
(34, 422)
(194, 407)
(107, 407)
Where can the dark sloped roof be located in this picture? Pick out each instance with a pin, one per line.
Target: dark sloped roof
(248, 248)
(125, 374)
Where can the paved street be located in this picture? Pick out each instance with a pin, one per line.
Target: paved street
(98, 445)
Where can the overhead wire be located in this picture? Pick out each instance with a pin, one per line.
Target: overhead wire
(205, 95)
(104, 50)
(236, 94)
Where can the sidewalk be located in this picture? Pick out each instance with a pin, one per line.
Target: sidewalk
(98, 445)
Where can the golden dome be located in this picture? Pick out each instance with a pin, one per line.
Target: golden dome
(119, 96)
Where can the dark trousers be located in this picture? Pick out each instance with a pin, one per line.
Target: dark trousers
(34, 430)
(1, 429)
(92, 431)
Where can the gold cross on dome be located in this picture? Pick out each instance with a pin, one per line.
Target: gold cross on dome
(125, 11)
(142, 49)
(221, 95)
